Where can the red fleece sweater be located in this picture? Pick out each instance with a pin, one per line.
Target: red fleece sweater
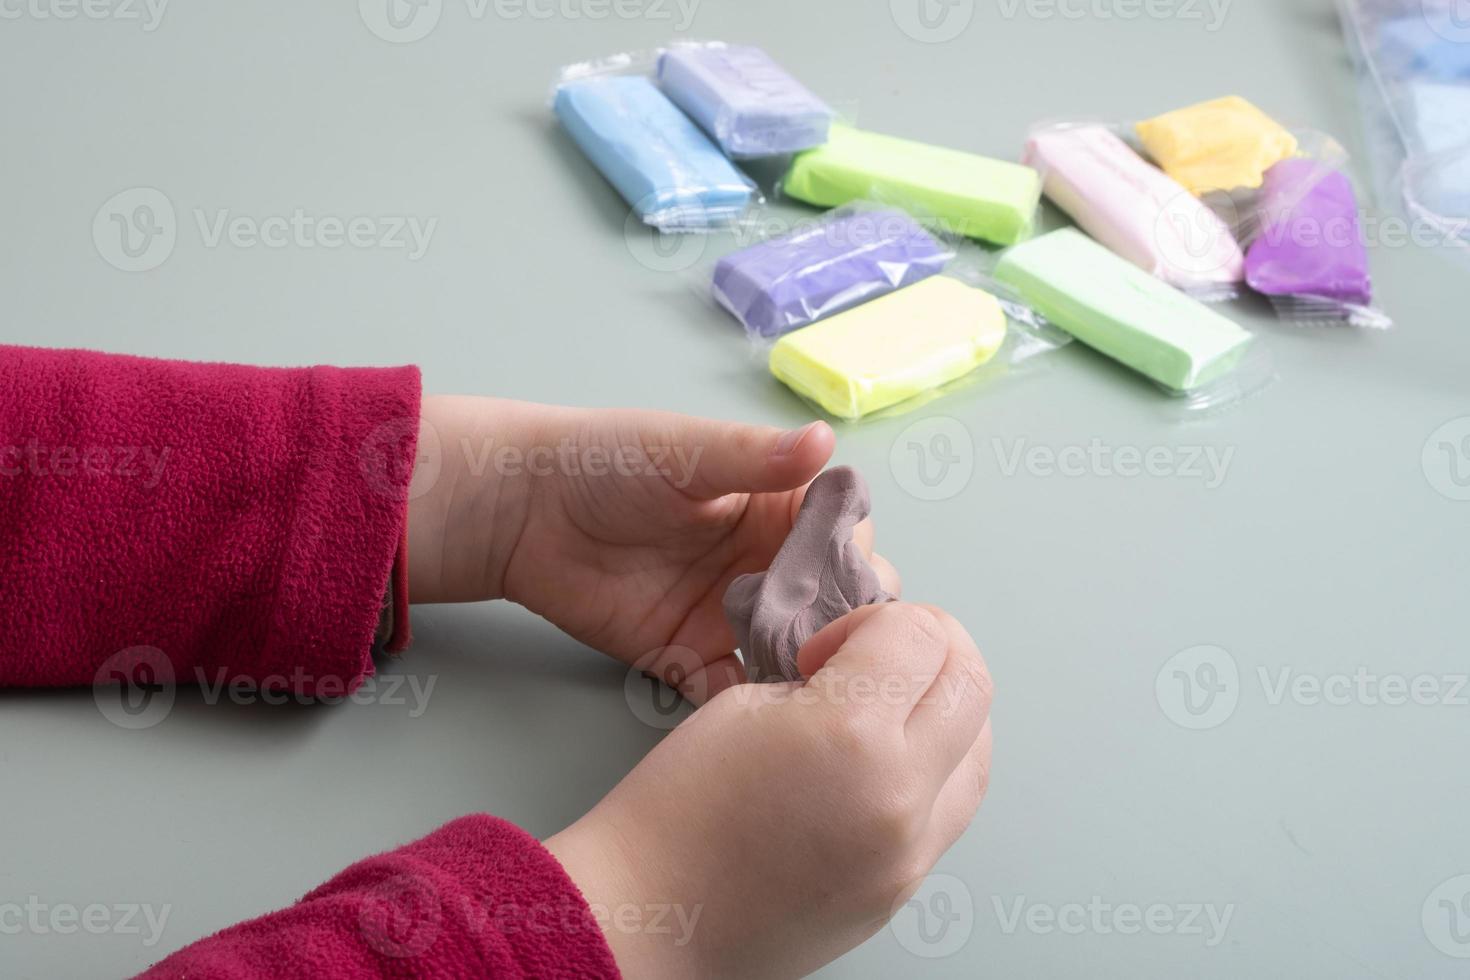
(246, 520)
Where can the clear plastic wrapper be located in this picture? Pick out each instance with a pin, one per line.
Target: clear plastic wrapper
(1308, 256)
(1187, 349)
(663, 165)
(908, 347)
(1223, 144)
(1412, 63)
(1135, 209)
(823, 266)
(1286, 226)
(1305, 249)
(968, 194)
(750, 105)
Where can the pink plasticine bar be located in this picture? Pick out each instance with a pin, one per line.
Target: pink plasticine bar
(1134, 208)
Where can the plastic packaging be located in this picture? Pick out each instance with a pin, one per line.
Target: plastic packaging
(1137, 210)
(1412, 63)
(905, 348)
(1118, 309)
(1219, 145)
(1302, 231)
(748, 103)
(845, 257)
(1308, 256)
(972, 195)
(1291, 231)
(674, 178)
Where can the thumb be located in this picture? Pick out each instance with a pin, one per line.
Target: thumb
(897, 648)
(710, 458)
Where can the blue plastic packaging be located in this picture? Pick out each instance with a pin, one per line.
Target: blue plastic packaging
(664, 167)
(1412, 61)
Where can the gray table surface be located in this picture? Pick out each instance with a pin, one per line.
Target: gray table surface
(1325, 832)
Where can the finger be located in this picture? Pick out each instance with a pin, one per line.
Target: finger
(724, 672)
(962, 794)
(893, 650)
(956, 704)
(685, 670)
(709, 458)
(888, 576)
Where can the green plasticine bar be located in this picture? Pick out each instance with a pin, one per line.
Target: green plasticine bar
(973, 195)
(1115, 307)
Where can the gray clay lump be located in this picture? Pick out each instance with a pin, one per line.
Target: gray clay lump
(818, 576)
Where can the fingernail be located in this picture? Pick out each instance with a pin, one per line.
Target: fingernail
(791, 440)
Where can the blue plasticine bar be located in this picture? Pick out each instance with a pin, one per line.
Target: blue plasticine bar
(1427, 44)
(669, 171)
(747, 102)
(791, 281)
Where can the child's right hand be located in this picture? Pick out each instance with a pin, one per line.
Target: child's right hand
(783, 823)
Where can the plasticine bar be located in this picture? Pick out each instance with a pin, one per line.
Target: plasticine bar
(1117, 308)
(1440, 117)
(669, 171)
(1439, 127)
(973, 195)
(1310, 242)
(742, 98)
(788, 282)
(898, 346)
(1216, 146)
(1134, 208)
(1430, 44)
(1443, 187)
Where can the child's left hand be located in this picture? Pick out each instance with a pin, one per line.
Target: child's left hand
(621, 527)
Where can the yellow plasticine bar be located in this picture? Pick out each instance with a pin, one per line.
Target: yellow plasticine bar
(1216, 146)
(889, 350)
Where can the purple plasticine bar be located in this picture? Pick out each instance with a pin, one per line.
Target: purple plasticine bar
(787, 282)
(747, 102)
(1310, 244)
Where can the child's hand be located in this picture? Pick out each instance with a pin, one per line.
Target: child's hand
(783, 823)
(622, 527)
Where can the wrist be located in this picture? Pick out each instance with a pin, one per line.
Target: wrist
(466, 511)
(600, 863)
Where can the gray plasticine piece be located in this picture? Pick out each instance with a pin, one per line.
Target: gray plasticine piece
(819, 575)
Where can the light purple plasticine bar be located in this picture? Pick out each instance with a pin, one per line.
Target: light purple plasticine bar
(747, 102)
(788, 282)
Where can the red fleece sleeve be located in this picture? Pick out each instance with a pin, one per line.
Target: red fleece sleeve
(241, 520)
(476, 898)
